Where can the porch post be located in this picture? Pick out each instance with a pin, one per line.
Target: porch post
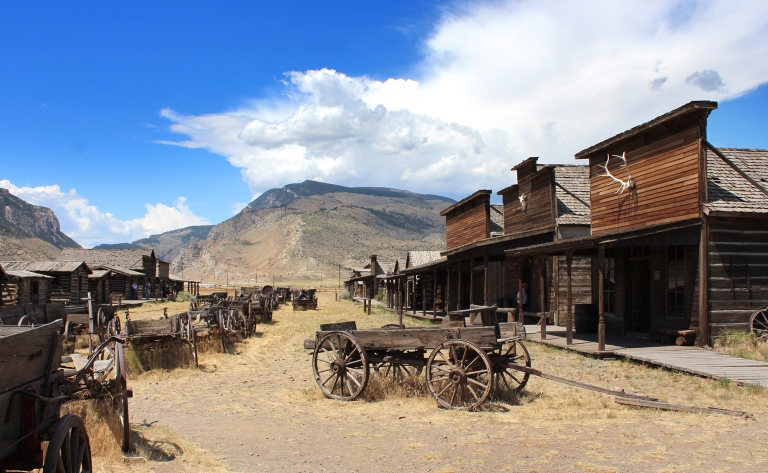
(600, 297)
(569, 328)
(423, 296)
(471, 281)
(542, 305)
(447, 290)
(434, 293)
(520, 314)
(458, 293)
(704, 284)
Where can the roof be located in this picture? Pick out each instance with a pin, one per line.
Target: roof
(21, 273)
(418, 258)
(45, 266)
(497, 218)
(176, 278)
(118, 269)
(684, 110)
(728, 184)
(572, 194)
(429, 265)
(99, 273)
(132, 258)
(465, 200)
(3, 274)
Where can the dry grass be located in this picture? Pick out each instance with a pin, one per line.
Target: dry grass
(742, 344)
(562, 427)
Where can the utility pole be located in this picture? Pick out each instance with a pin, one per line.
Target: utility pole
(214, 275)
(182, 267)
(339, 275)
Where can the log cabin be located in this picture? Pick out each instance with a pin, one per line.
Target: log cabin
(678, 242)
(68, 279)
(138, 260)
(8, 289)
(32, 288)
(109, 283)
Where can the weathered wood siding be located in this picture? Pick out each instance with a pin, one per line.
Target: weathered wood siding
(738, 272)
(471, 225)
(581, 285)
(538, 213)
(666, 175)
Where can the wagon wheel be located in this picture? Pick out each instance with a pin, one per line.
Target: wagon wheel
(122, 395)
(758, 323)
(69, 450)
(507, 378)
(340, 366)
(69, 334)
(393, 327)
(192, 339)
(27, 320)
(398, 371)
(459, 375)
(113, 327)
(223, 332)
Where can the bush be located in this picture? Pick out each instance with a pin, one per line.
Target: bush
(182, 296)
(380, 296)
(345, 295)
(741, 344)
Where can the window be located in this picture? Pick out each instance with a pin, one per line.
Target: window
(609, 282)
(676, 281)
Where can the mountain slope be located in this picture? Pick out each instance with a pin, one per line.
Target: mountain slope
(167, 245)
(29, 232)
(311, 228)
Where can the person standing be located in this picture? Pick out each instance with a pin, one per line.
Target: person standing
(148, 290)
(134, 291)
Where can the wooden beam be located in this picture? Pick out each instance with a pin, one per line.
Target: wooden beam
(542, 304)
(434, 293)
(704, 284)
(600, 297)
(423, 296)
(569, 328)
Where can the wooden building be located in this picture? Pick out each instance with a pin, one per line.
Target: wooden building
(32, 288)
(679, 230)
(109, 283)
(548, 203)
(8, 289)
(68, 279)
(136, 260)
(424, 281)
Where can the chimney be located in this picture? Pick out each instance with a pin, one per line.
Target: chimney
(373, 264)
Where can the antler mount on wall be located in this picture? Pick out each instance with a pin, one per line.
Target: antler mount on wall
(623, 185)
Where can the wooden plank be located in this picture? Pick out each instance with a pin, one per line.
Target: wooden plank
(25, 353)
(676, 407)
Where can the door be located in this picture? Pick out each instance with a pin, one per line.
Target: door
(639, 297)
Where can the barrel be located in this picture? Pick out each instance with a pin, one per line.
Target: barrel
(586, 318)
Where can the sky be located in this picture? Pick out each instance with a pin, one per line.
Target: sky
(134, 118)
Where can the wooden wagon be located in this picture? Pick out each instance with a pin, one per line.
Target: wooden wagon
(32, 389)
(305, 299)
(176, 330)
(32, 314)
(463, 365)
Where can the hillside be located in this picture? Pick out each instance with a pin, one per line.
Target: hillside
(308, 229)
(29, 232)
(167, 245)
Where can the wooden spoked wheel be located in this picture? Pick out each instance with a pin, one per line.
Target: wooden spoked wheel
(113, 327)
(122, 395)
(27, 320)
(69, 334)
(397, 371)
(758, 323)
(506, 378)
(340, 366)
(459, 375)
(69, 450)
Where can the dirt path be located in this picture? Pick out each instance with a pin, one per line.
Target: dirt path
(261, 411)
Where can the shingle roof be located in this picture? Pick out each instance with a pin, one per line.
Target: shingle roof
(728, 190)
(127, 258)
(572, 193)
(431, 264)
(45, 266)
(21, 273)
(497, 219)
(417, 258)
(118, 270)
(99, 273)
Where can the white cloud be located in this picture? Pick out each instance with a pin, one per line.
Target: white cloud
(499, 82)
(87, 225)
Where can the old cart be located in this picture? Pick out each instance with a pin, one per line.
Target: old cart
(32, 388)
(173, 331)
(463, 366)
(305, 299)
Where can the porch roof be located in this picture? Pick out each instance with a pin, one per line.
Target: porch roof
(593, 241)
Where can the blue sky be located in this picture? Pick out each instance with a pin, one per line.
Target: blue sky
(137, 117)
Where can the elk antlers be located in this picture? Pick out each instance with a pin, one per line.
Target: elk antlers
(623, 185)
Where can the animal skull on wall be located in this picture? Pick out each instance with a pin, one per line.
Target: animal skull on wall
(523, 201)
(623, 185)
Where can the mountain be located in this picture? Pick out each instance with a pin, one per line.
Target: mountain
(167, 245)
(29, 232)
(307, 229)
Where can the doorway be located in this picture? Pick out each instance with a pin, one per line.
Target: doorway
(638, 318)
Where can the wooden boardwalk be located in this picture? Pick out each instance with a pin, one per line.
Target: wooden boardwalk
(693, 360)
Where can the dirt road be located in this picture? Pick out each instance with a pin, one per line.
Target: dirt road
(261, 411)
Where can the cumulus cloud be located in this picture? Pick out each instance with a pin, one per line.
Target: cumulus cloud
(499, 81)
(707, 80)
(87, 225)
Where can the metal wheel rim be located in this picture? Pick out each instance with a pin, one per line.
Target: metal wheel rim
(459, 375)
(69, 449)
(343, 360)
